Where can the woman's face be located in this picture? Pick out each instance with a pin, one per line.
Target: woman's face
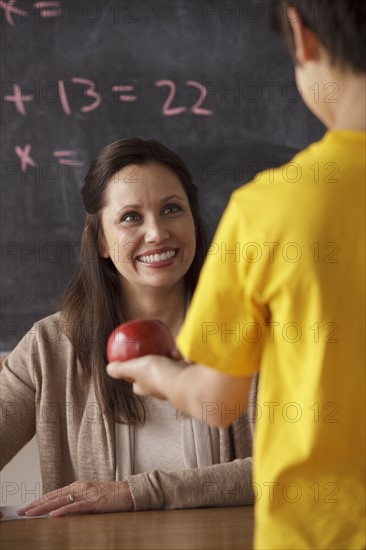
(148, 227)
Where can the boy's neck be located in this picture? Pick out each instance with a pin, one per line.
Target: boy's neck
(350, 112)
(341, 101)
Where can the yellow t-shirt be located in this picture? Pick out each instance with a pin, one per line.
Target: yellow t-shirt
(283, 291)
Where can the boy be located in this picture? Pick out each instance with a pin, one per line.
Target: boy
(283, 293)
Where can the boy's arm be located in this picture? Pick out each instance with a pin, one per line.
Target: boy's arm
(197, 390)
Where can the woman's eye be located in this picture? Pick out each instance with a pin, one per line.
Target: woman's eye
(172, 209)
(131, 217)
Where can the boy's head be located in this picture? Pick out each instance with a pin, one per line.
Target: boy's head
(326, 39)
(340, 26)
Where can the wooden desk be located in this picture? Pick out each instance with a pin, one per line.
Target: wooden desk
(206, 528)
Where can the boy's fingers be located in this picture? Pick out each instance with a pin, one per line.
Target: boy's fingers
(137, 389)
(119, 370)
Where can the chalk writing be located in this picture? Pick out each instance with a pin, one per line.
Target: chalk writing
(66, 161)
(48, 10)
(167, 110)
(24, 156)
(64, 157)
(127, 88)
(196, 109)
(52, 10)
(18, 99)
(127, 94)
(89, 92)
(10, 9)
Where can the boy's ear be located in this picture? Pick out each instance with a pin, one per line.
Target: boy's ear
(306, 41)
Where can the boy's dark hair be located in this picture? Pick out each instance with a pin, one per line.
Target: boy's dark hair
(339, 24)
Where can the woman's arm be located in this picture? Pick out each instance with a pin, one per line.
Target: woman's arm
(227, 484)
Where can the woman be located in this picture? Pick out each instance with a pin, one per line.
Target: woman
(103, 449)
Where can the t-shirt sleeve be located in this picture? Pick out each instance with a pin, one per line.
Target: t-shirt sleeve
(225, 324)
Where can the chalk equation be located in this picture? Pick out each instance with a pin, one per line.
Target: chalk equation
(47, 10)
(14, 12)
(62, 157)
(125, 93)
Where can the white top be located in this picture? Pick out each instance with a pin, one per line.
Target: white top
(167, 441)
(159, 442)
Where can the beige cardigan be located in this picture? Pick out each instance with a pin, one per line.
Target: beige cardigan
(76, 442)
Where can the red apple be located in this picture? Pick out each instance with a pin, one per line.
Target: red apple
(137, 338)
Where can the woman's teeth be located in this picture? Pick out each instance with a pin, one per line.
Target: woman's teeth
(157, 257)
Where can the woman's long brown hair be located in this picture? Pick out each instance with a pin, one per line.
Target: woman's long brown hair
(91, 305)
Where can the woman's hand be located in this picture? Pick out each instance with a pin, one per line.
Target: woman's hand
(150, 375)
(83, 497)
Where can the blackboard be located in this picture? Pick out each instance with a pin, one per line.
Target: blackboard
(208, 79)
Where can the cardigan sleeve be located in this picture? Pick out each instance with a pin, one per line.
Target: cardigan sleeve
(18, 409)
(227, 484)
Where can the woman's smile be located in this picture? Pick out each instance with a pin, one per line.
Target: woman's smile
(158, 258)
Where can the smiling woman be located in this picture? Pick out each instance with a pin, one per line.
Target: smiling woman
(148, 231)
(102, 448)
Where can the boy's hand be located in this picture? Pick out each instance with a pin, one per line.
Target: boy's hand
(150, 375)
(197, 390)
